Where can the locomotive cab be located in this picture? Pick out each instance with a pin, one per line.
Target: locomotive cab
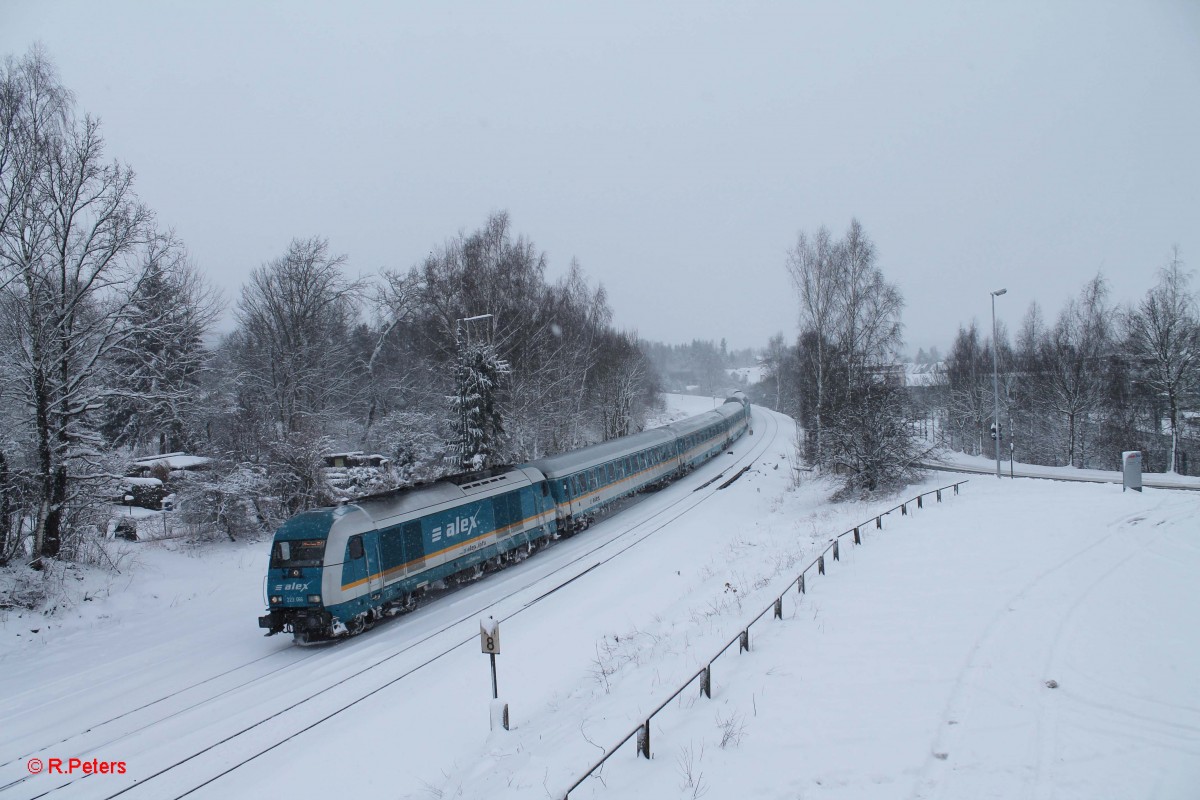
(294, 576)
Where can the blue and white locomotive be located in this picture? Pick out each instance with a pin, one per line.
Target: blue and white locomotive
(336, 571)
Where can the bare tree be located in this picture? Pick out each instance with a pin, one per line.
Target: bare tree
(70, 231)
(395, 302)
(868, 329)
(850, 332)
(292, 342)
(1163, 337)
(968, 371)
(1071, 381)
(775, 361)
(816, 273)
(622, 385)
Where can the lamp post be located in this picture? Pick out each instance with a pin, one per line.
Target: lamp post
(996, 382)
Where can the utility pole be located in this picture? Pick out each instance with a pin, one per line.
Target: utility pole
(996, 382)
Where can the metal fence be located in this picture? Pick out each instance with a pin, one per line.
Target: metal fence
(742, 639)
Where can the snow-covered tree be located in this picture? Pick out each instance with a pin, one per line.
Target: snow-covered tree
(292, 344)
(72, 235)
(849, 340)
(1163, 338)
(1072, 377)
(476, 405)
(154, 374)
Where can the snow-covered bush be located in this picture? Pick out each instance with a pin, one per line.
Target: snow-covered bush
(228, 500)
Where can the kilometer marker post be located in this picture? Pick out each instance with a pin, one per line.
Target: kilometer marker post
(489, 642)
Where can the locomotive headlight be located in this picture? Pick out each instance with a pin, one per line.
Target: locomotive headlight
(315, 599)
(276, 599)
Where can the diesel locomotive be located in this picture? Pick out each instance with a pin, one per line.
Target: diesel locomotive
(335, 571)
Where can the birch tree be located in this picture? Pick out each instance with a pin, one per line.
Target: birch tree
(814, 270)
(1072, 377)
(850, 331)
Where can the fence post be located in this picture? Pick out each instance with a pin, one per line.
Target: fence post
(836, 557)
(903, 510)
(744, 641)
(939, 495)
(920, 503)
(800, 583)
(821, 565)
(878, 522)
(857, 538)
(706, 682)
(779, 607)
(643, 740)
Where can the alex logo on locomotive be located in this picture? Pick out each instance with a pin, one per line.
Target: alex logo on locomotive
(459, 526)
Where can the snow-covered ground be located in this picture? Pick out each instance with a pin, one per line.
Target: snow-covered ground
(920, 666)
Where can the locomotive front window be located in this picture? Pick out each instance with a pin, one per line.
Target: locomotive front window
(300, 553)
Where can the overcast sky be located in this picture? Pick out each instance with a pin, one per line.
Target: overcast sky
(675, 149)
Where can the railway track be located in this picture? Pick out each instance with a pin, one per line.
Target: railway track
(297, 713)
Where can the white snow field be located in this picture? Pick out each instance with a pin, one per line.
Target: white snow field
(920, 666)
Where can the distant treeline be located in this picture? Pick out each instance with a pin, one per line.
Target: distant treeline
(1099, 380)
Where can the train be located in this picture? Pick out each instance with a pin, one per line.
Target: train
(334, 572)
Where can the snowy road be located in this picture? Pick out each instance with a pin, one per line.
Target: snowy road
(977, 465)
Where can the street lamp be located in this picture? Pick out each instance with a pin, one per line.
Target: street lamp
(996, 381)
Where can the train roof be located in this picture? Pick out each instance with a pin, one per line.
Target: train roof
(702, 421)
(412, 500)
(450, 489)
(566, 463)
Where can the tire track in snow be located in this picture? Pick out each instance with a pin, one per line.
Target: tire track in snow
(994, 646)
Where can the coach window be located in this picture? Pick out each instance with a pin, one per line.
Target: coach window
(356, 547)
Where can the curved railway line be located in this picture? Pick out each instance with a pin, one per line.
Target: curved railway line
(371, 646)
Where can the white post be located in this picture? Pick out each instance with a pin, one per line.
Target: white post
(489, 643)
